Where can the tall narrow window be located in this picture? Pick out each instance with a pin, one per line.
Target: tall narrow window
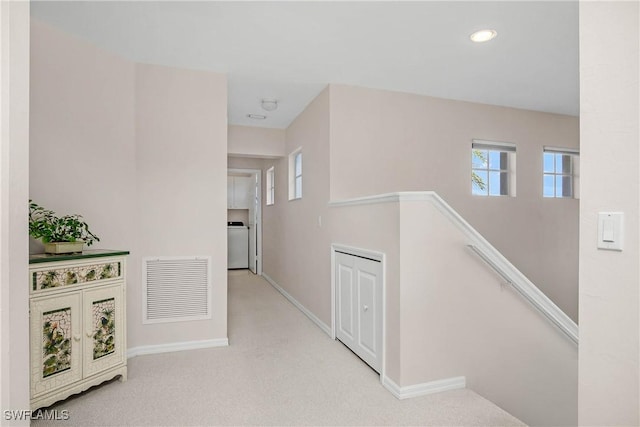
(560, 175)
(295, 174)
(271, 186)
(493, 168)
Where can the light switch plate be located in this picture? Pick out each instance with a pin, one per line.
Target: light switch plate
(610, 230)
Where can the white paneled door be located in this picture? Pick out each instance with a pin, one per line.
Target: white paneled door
(359, 306)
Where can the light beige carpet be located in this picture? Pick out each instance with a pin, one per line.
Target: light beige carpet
(280, 369)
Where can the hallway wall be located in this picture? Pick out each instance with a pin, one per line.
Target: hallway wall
(296, 241)
(255, 142)
(609, 381)
(140, 152)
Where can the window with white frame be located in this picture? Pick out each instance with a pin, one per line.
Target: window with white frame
(271, 185)
(561, 172)
(295, 174)
(493, 168)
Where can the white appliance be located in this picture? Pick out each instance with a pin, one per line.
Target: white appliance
(238, 245)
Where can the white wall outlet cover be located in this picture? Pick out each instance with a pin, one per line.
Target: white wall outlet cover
(611, 230)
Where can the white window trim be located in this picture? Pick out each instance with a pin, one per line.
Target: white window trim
(510, 149)
(548, 149)
(575, 171)
(271, 186)
(498, 145)
(292, 174)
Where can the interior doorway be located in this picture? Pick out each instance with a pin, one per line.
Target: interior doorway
(244, 204)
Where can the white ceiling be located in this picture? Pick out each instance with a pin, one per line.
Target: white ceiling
(291, 50)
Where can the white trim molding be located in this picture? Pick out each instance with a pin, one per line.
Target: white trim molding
(258, 207)
(548, 149)
(431, 387)
(325, 328)
(373, 255)
(176, 346)
(364, 253)
(490, 254)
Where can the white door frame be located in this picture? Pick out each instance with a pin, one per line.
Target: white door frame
(258, 174)
(376, 256)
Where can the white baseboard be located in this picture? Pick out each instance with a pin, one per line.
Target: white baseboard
(176, 346)
(424, 388)
(300, 307)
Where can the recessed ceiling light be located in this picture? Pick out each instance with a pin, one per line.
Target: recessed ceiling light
(483, 36)
(256, 116)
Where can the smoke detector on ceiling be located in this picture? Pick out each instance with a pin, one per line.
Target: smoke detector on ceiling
(269, 104)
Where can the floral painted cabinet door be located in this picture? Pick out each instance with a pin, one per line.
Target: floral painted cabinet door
(56, 337)
(78, 331)
(103, 317)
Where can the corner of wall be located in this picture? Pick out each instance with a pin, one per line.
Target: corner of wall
(14, 193)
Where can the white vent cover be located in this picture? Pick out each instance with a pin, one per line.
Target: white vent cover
(176, 289)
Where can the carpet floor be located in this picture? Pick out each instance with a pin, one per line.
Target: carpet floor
(279, 369)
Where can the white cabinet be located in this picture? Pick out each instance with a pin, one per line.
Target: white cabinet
(359, 306)
(77, 323)
(240, 192)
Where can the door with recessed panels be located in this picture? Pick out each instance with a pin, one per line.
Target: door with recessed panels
(359, 306)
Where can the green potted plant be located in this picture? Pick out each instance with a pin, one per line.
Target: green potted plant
(60, 235)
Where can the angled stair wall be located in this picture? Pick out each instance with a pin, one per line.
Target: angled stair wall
(451, 313)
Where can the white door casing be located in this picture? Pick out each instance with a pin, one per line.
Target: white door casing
(255, 217)
(253, 191)
(358, 306)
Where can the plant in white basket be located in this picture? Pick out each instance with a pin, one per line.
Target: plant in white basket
(52, 230)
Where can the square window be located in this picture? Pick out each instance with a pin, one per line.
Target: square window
(560, 173)
(492, 168)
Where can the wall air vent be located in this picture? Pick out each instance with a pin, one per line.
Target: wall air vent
(176, 289)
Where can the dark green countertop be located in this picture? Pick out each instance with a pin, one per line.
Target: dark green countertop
(89, 253)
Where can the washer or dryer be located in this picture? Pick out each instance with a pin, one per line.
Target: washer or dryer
(238, 245)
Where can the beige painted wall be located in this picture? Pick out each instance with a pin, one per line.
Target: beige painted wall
(256, 142)
(609, 384)
(447, 315)
(147, 177)
(245, 163)
(82, 156)
(14, 190)
(458, 319)
(296, 247)
(297, 257)
(388, 141)
(181, 181)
